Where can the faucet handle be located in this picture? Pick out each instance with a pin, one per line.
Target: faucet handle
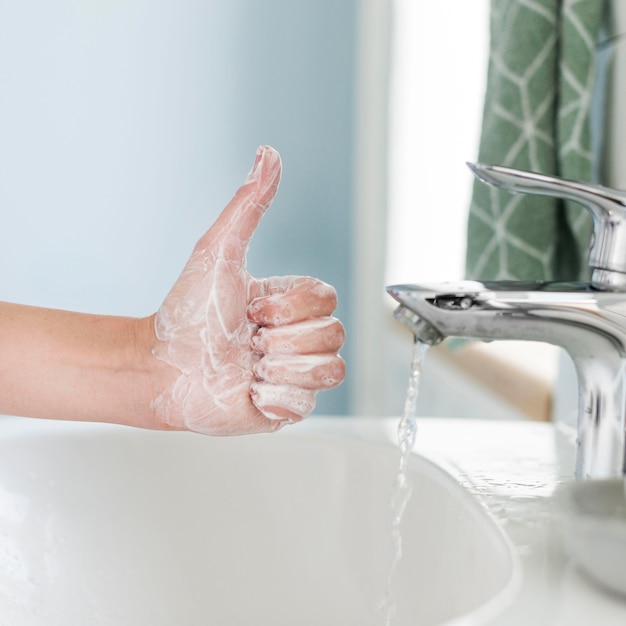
(607, 253)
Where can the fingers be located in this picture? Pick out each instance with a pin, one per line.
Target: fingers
(236, 224)
(308, 371)
(323, 334)
(291, 299)
(298, 341)
(282, 402)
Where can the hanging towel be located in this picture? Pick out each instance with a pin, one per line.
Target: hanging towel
(536, 117)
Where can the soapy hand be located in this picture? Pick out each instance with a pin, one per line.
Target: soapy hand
(248, 355)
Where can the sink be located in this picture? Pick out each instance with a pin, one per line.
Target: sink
(110, 525)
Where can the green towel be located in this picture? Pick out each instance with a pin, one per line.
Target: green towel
(536, 117)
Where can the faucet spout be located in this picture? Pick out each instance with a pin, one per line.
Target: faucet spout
(590, 325)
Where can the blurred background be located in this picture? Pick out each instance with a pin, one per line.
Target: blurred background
(126, 126)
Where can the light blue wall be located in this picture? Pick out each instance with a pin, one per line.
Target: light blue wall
(126, 125)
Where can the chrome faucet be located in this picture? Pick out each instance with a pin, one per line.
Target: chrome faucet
(588, 320)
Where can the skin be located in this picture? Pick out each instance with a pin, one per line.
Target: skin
(225, 354)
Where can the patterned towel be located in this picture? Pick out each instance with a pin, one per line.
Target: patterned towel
(536, 117)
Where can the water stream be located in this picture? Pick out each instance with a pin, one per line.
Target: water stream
(401, 491)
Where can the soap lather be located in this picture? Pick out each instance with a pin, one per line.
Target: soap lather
(588, 320)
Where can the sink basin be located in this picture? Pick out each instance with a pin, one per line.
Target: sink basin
(109, 525)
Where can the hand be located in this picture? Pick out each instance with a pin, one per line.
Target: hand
(247, 355)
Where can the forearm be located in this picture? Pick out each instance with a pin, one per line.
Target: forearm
(65, 365)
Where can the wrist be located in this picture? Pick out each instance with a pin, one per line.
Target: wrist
(158, 376)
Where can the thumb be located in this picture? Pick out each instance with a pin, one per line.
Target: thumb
(236, 224)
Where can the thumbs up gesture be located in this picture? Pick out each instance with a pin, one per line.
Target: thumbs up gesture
(246, 355)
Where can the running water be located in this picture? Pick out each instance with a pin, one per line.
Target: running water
(401, 492)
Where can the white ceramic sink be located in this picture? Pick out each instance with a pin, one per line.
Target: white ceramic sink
(108, 525)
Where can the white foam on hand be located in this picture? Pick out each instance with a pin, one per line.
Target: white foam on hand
(249, 354)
